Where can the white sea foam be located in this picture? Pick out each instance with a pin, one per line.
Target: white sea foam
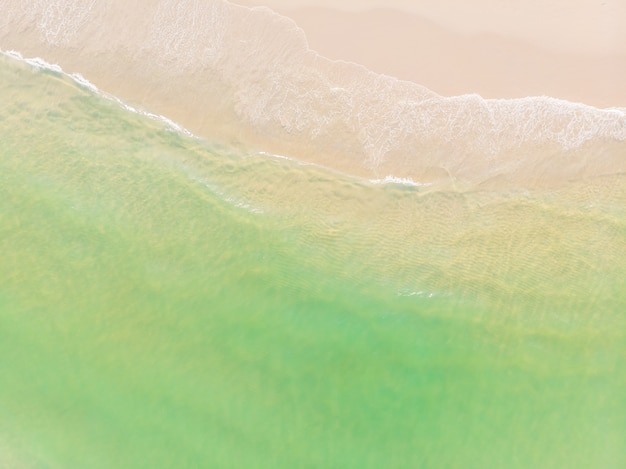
(333, 104)
(39, 64)
(59, 21)
(82, 81)
(400, 181)
(418, 293)
(234, 201)
(188, 31)
(253, 69)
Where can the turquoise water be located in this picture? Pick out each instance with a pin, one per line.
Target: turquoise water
(170, 302)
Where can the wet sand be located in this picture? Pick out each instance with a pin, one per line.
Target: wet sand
(584, 26)
(234, 74)
(501, 58)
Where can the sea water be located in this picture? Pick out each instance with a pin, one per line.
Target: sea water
(167, 301)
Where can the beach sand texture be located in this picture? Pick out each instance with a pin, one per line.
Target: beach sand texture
(239, 74)
(493, 62)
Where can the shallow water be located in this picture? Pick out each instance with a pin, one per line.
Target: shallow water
(169, 302)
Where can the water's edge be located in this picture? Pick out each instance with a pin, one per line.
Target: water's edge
(246, 74)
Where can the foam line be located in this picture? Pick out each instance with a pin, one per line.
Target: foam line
(230, 72)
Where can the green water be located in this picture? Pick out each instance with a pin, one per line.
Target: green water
(167, 302)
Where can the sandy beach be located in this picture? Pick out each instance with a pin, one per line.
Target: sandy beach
(577, 53)
(235, 74)
(587, 26)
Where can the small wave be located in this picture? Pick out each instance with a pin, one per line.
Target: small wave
(40, 64)
(235, 72)
(36, 62)
(82, 81)
(234, 201)
(418, 293)
(400, 181)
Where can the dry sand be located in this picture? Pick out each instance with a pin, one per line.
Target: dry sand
(573, 51)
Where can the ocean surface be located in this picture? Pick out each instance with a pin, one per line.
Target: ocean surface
(174, 301)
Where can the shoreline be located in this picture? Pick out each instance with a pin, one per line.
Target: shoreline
(413, 43)
(453, 63)
(248, 76)
(590, 27)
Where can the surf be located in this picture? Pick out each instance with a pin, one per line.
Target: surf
(247, 75)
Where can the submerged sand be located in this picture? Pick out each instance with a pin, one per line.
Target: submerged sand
(231, 73)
